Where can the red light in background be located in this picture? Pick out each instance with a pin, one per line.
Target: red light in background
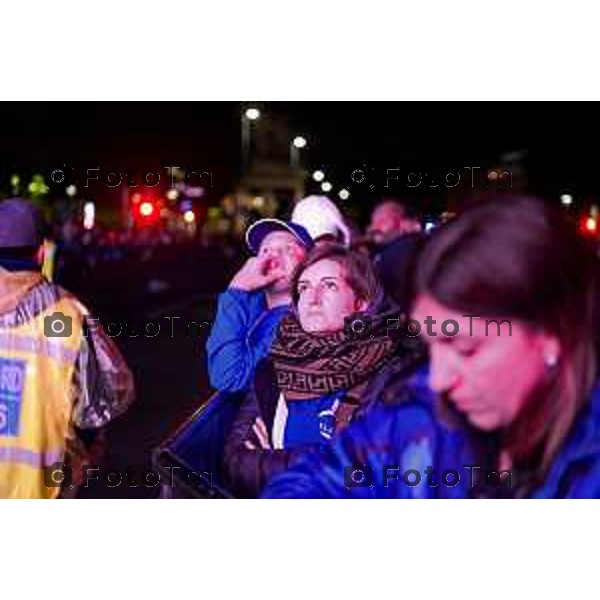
(589, 225)
(146, 209)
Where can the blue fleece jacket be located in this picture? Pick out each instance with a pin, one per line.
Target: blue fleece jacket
(241, 336)
(405, 451)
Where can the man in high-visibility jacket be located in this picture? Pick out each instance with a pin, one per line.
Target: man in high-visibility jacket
(59, 378)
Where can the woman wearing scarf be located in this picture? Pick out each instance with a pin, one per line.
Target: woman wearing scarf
(336, 343)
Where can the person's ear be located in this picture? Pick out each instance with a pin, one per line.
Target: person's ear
(551, 350)
(361, 305)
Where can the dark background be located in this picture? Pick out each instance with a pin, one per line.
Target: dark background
(559, 137)
(557, 142)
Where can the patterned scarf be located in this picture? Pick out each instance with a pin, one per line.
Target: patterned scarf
(312, 365)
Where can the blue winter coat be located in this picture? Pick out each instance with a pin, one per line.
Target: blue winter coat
(241, 336)
(407, 451)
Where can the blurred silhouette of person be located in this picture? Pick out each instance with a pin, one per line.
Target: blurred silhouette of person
(395, 230)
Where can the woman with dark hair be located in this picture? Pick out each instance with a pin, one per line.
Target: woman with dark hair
(511, 289)
(318, 371)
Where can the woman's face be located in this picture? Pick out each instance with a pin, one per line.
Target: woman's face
(325, 298)
(487, 370)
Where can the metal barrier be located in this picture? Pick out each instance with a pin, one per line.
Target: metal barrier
(190, 460)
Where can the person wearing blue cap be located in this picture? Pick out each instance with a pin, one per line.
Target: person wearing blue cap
(61, 378)
(258, 297)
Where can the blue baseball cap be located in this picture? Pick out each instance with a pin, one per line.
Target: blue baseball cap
(258, 231)
(21, 224)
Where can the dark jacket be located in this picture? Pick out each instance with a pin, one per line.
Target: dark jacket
(394, 443)
(395, 265)
(400, 449)
(249, 470)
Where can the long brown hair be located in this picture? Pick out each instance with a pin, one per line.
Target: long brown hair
(358, 271)
(519, 257)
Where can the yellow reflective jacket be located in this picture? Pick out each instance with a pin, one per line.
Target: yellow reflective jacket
(44, 390)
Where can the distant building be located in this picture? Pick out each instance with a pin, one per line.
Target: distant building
(272, 177)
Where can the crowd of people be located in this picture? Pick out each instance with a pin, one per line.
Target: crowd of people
(456, 364)
(502, 402)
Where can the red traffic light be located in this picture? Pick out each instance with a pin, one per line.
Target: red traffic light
(589, 225)
(145, 211)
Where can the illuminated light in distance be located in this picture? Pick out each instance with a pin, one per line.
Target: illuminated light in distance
(146, 209)
(299, 142)
(89, 215)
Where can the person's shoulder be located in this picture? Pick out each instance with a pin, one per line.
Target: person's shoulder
(65, 296)
(254, 301)
(405, 242)
(414, 415)
(402, 380)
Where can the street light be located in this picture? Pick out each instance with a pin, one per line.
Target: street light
(14, 182)
(71, 191)
(299, 142)
(566, 199)
(249, 115)
(326, 186)
(253, 114)
(344, 194)
(318, 175)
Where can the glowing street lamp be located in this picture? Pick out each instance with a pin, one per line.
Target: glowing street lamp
(248, 117)
(299, 142)
(566, 199)
(172, 194)
(252, 114)
(326, 186)
(15, 180)
(318, 175)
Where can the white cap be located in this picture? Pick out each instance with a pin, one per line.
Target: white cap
(320, 216)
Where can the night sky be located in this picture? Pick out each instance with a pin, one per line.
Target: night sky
(343, 136)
